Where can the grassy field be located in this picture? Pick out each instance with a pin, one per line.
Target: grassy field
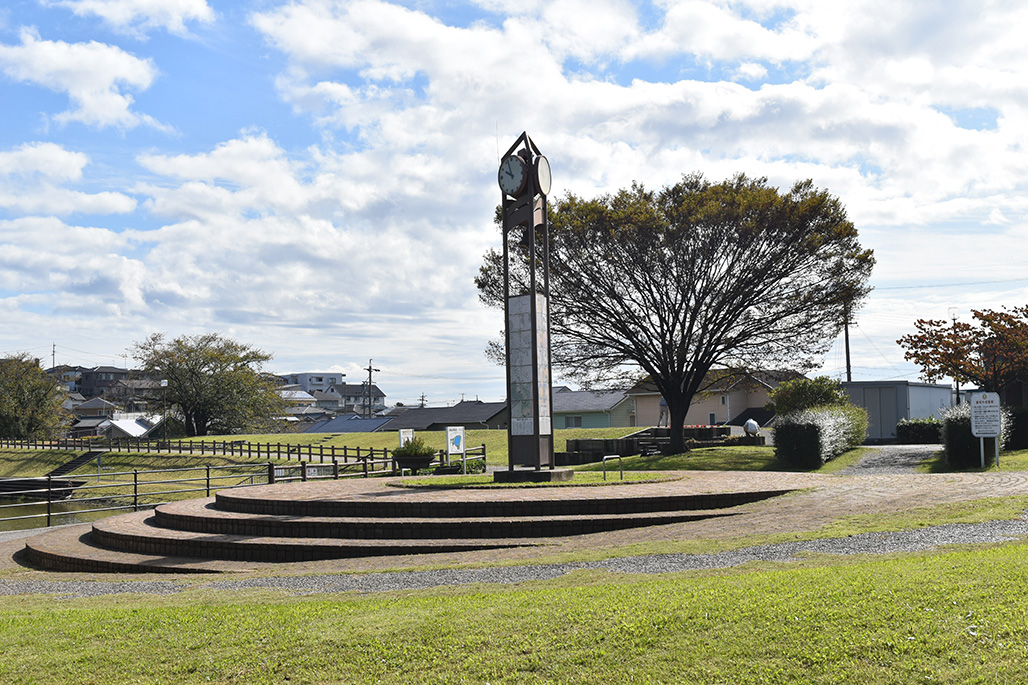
(951, 617)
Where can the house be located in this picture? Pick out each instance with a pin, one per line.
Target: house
(592, 408)
(96, 406)
(295, 397)
(470, 413)
(99, 380)
(888, 402)
(314, 381)
(134, 425)
(136, 394)
(730, 399)
(354, 397)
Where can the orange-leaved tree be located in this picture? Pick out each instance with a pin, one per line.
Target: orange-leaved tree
(991, 352)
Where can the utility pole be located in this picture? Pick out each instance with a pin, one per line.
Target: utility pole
(370, 370)
(954, 314)
(846, 336)
(53, 356)
(422, 400)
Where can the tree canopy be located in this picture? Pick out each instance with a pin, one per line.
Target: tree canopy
(30, 400)
(805, 393)
(697, 276)
(990, 353)
(216, 383)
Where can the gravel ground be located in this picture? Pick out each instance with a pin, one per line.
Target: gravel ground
(889, 459)
(867, 543)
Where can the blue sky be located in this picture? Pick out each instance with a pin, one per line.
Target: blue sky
(317, 177)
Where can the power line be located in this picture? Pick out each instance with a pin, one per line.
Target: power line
(951, 285)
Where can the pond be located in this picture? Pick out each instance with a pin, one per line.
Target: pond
(61, 513)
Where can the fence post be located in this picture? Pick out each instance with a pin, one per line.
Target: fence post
(49, 498)
(208, 480)
(335, 468)
(321, 452)
(135, 489)
(271, 473)
(365, 464)
(303, 471)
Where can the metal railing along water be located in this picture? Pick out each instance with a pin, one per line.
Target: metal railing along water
(77, 495)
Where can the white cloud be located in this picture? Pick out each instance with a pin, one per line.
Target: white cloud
(32, 176)
(95, 77)
(137, 16)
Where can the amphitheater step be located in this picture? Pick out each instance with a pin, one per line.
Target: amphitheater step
(307, 500)
(204, 516)
(70, 548)
(139, 533)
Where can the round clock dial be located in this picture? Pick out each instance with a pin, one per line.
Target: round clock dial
(512, 175)
(543, 180)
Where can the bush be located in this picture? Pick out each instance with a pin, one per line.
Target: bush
(1017, 430)
(803, 393)
(963, 450)
(919, 431)
(811, 437)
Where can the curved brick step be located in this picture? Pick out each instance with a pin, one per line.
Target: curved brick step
(342, 499)
(72, 549)
(137, 533)
(204, 516)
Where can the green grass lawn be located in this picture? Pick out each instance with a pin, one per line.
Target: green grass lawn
(736, 458)
(949, 617)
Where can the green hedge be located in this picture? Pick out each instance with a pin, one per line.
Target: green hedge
(963, 450)
(809, 438)
(1017, 430)
(919, 431)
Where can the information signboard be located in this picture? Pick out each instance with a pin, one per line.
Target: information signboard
(986, 419)
(454, 440)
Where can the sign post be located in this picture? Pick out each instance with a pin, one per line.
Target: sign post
(986, 420)
(454, 442)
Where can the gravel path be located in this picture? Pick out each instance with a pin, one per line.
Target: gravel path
(866, 543)
(891, 459)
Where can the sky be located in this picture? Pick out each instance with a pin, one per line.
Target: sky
(317, 178)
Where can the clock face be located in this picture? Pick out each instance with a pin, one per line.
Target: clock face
(512, 175)
(543, 179)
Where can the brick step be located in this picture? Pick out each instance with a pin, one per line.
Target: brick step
(204, 516)
(70, 548)
(292, 500)
(138, 533)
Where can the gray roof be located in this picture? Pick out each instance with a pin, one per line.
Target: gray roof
(575, 401)
(461, 414)
(349, 424)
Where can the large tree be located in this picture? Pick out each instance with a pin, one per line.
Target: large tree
(990, 353)
(216, 383)
(30, 400)
(695, 277)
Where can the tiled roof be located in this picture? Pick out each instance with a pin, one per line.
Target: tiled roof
(462, 413)
(571, 401)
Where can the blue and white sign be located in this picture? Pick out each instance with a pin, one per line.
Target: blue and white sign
(455, 440)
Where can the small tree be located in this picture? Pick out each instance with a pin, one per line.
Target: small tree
(989, 353)
(216, 383)
(30, 401)
(804, 393)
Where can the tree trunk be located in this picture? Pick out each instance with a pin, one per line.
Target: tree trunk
(677, 410)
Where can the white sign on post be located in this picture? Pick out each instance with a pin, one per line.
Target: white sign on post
(986, 419)
(406, 435)
(454, 440)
